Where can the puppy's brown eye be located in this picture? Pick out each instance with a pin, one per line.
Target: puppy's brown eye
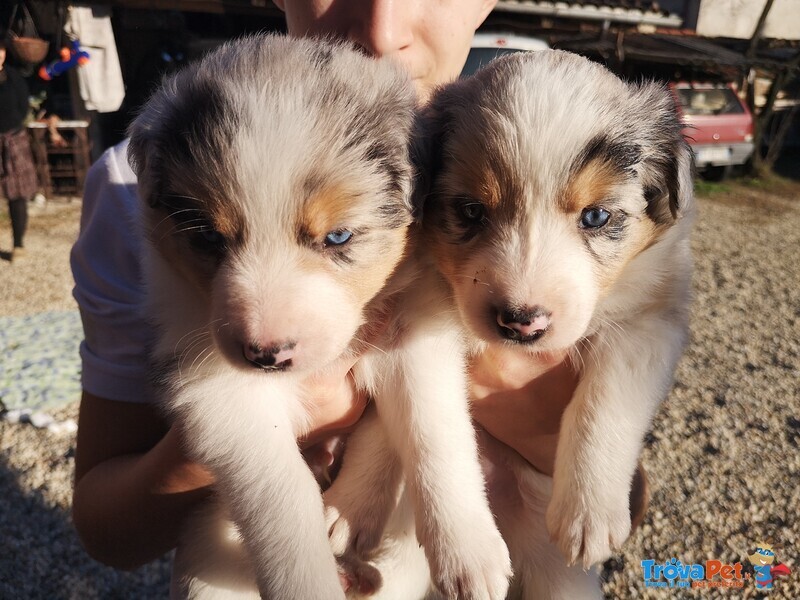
(212, 237)
(472, 212)
(208, 240)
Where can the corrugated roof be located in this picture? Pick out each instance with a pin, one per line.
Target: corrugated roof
(667, 49)
(618, 11)
(684, 49)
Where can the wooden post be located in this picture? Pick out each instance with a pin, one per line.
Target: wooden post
(762, 21)
(781, 78)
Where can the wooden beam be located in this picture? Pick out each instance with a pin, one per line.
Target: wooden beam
(762, 21)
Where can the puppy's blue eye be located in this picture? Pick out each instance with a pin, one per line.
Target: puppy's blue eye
(338, 237)
(595, 217)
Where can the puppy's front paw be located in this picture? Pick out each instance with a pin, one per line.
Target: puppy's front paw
(586, 529)
(470, 561)
(355, 526)
(358, 577)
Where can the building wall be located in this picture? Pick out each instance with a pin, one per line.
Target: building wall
(738, 18)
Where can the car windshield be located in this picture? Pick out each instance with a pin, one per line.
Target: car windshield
(712, 101)
(479, 57)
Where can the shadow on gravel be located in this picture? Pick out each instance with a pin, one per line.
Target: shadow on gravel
(33, 536)
(41, 556)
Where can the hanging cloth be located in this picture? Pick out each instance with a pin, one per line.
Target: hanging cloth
(100, 80)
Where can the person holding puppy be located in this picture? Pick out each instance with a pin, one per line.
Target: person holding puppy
(134, 484)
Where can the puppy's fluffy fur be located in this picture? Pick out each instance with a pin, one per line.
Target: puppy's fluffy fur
(559, 204)
(275, 181)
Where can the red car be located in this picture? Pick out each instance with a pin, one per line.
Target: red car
(719, 126)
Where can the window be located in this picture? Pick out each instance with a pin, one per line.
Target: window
(709, 101)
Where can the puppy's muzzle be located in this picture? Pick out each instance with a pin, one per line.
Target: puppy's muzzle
(275, 357)
(523, 325)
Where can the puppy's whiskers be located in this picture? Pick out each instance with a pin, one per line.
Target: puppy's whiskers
(616, 328)
(201, 227)
(194, 198)
(366, 343)
(199, 336)
(172, 215)
(193, 335)
(592, 348)
(576, 358)
(202, 356)
(209, 354)
(191, 350)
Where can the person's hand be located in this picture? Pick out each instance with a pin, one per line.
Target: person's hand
(521, 412)
(335, 405)
(56, 139)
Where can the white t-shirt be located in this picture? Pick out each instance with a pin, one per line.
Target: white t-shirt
(106, 265)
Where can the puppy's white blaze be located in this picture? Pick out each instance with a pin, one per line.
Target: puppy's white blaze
(558, 277)
(274, 301)
(530, 266)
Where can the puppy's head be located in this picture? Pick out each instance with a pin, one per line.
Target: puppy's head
(274, 176)
(549, 176)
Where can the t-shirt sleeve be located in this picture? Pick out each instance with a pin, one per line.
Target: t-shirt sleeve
(106, 265)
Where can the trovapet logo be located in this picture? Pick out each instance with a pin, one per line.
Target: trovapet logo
(712, 573)
(766, 572)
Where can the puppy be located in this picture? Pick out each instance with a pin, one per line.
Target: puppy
(558, 208)
(275, 182)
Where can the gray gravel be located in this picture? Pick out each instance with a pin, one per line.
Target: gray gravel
(40, 555)
(722, 459)
(42, 281)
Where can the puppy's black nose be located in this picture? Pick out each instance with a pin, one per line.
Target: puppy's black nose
(526, 324)
(275, 357)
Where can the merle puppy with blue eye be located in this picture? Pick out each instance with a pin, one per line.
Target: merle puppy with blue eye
(276, 215)
(557, 203)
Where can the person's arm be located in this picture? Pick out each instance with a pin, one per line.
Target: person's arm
(123, 506)
(525, 416)
(133, 483)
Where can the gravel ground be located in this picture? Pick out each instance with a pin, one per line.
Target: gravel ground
(40, 555)
(722, 458)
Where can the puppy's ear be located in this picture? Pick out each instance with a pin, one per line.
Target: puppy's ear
(425, 158)
(144, 152)
(431, 127)
(668, 166)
